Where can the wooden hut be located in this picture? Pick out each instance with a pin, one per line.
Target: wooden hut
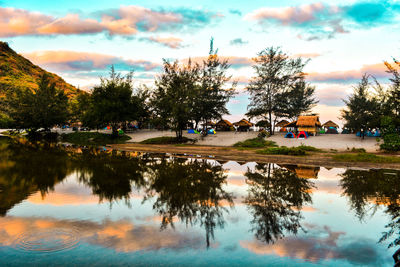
(309, 124)
(243, 125)
(223, 125)
(330, 124)
(282, 125)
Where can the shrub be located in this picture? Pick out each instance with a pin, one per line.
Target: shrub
(365, 157)
(167, 140)
(93, 138)
(263, 134)
(391, 142)
(255, 143)
(358, 150)
(309, 148)
(283, 150)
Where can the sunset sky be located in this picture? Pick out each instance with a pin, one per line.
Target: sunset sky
(79, 40)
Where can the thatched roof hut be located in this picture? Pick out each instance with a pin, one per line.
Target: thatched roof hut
(223, 125)
(330, 124)
(309, 124)
(307, 172)
(243, 125)
(243, 122)
(282, 123)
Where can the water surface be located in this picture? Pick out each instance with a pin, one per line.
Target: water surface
(76, 206)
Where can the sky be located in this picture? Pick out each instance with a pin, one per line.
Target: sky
(80, 40)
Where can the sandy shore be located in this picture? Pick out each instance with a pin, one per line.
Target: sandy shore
(339, 142)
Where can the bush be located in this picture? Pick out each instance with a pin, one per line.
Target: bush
(358, 150)
(365, 157)
(309, 148)
(391, 142)
(167, 140)
(255, 143)
(93, 138)
(263, 134)
(283, 150)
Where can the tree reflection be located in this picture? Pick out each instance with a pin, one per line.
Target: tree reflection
(190, 190)
(367, 190)
(28, 168)
(110, 176)
(275, 198)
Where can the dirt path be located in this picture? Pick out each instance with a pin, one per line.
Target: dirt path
(233, 154)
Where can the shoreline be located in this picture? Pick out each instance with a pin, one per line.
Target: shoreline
(323, 159)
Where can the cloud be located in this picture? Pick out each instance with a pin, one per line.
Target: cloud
(318, 20)
(377, 70)
(307, 55)
(319, 245)
(171, 42)
(125, 21)
(84, 61)
(235, 12)
(235, 62)
(238, 41)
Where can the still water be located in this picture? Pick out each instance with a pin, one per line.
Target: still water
(72, 206)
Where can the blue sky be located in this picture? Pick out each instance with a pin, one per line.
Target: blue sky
(79, 40)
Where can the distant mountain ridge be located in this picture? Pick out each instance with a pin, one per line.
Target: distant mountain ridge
(20, 73)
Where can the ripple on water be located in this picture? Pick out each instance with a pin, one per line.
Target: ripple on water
(47, 240)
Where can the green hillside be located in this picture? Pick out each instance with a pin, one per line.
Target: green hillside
(17, 72)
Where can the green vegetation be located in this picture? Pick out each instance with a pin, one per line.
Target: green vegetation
(309, 148)
(18, 73)
(167, 140)
(279, 88)
(44, 108)
(365, 157)
(282, 150)
(255, 143)
(358, 150)
(93, 138)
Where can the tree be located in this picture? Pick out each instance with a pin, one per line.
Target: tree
(211, 96)
(112, 102)
(276, 73)
(44, 108)
(360, 106)
(394, 91)
(298, 99)
(172, 99)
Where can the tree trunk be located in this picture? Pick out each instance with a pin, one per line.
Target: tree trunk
(271, 130)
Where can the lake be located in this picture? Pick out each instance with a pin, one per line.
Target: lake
(63, 206)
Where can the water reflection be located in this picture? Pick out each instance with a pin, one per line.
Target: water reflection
(367, 190)
(275, 198)
(191, 191)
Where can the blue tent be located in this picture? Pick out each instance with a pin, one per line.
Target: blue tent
(211, 131)
(377, 133)
(191, 131)
(358, 134)
(369, 134)
(290, 135)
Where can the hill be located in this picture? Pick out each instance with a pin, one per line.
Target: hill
(19, 73)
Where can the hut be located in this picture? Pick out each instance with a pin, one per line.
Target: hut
(329, 124)
(223, 125)
(243, 125)
(282, 125)
(309, 124)
(303, 171)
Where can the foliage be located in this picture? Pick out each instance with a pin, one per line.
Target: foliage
(358, 150)
(211, 96)
(44, 108)
(309, 148)
(93, 138)
(166, 140)
(365, 157)
(277, 77)
(283, 150)
(114, 102)
(263, 134)
(391, 138)
(255, 143)
(359, 111)
(172, 99)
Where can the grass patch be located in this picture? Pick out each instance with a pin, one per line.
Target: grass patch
(167, 140)
(309, 148)
(282, 150)
(93, 138)
(358, 150)
(255, 143)
(365, 157)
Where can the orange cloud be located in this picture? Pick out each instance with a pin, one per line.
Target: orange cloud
(171, 42)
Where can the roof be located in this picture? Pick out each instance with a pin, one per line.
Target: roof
(308, 121)
(291, 124)
(307, 172)
(243, 122)
(330, 124)
(282, 123)
(224, 123)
